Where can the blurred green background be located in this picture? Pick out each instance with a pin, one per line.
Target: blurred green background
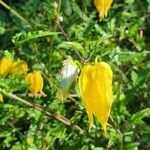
(122, 39)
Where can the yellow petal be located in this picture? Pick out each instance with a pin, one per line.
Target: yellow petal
(36, 82)
(95, 84)
(82, 85)
(102, 7)
(5, 65)
(19, 67)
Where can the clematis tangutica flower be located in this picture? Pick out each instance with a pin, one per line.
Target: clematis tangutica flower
(5, 65)
(19, 67)
(95, 83)
(35, 81)
(102, 7)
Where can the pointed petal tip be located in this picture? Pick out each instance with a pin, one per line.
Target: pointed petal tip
(104, 126)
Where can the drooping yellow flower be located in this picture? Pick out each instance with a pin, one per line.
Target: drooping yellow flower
(102, 7)
(36, 82)
(5, 65)
(95, 83)
(19, 67)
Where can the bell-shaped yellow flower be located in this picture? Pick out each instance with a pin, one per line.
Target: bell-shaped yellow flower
(5, 65)
(19, 67)
(36, 82)
(95, 83)
(102, 7)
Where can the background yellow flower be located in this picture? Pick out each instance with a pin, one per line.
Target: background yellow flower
(19, 67)
(5, 65)
(102, 7)
(36, 82)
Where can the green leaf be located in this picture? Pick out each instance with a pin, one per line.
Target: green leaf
(134, 77)
(13, 83)
(129, 56)
(131, 146)
(113, 138)
(137, 117)
(17, 147)
(23, 37)
(9, 55)
(68, 45)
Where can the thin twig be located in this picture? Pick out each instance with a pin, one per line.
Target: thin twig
(63, 32)
(68, 39)
(14, 128)
(60, 118)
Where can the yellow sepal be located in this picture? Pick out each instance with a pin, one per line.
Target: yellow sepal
(95, 83)
(102, 7)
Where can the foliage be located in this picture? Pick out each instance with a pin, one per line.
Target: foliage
(43, 33)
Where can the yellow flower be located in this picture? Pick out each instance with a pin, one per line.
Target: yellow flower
(19, 67)
(1, 97)
(102, 7)
(5, 65)
(95, 83)
(36, 82)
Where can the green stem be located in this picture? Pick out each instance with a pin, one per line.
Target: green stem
(13, 11)
(56, 20)
(98, 59)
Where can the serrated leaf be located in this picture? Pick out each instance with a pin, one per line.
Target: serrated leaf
(130, 56)
(137, 117)
(68, 45)
(113, 138)
(23, 37)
